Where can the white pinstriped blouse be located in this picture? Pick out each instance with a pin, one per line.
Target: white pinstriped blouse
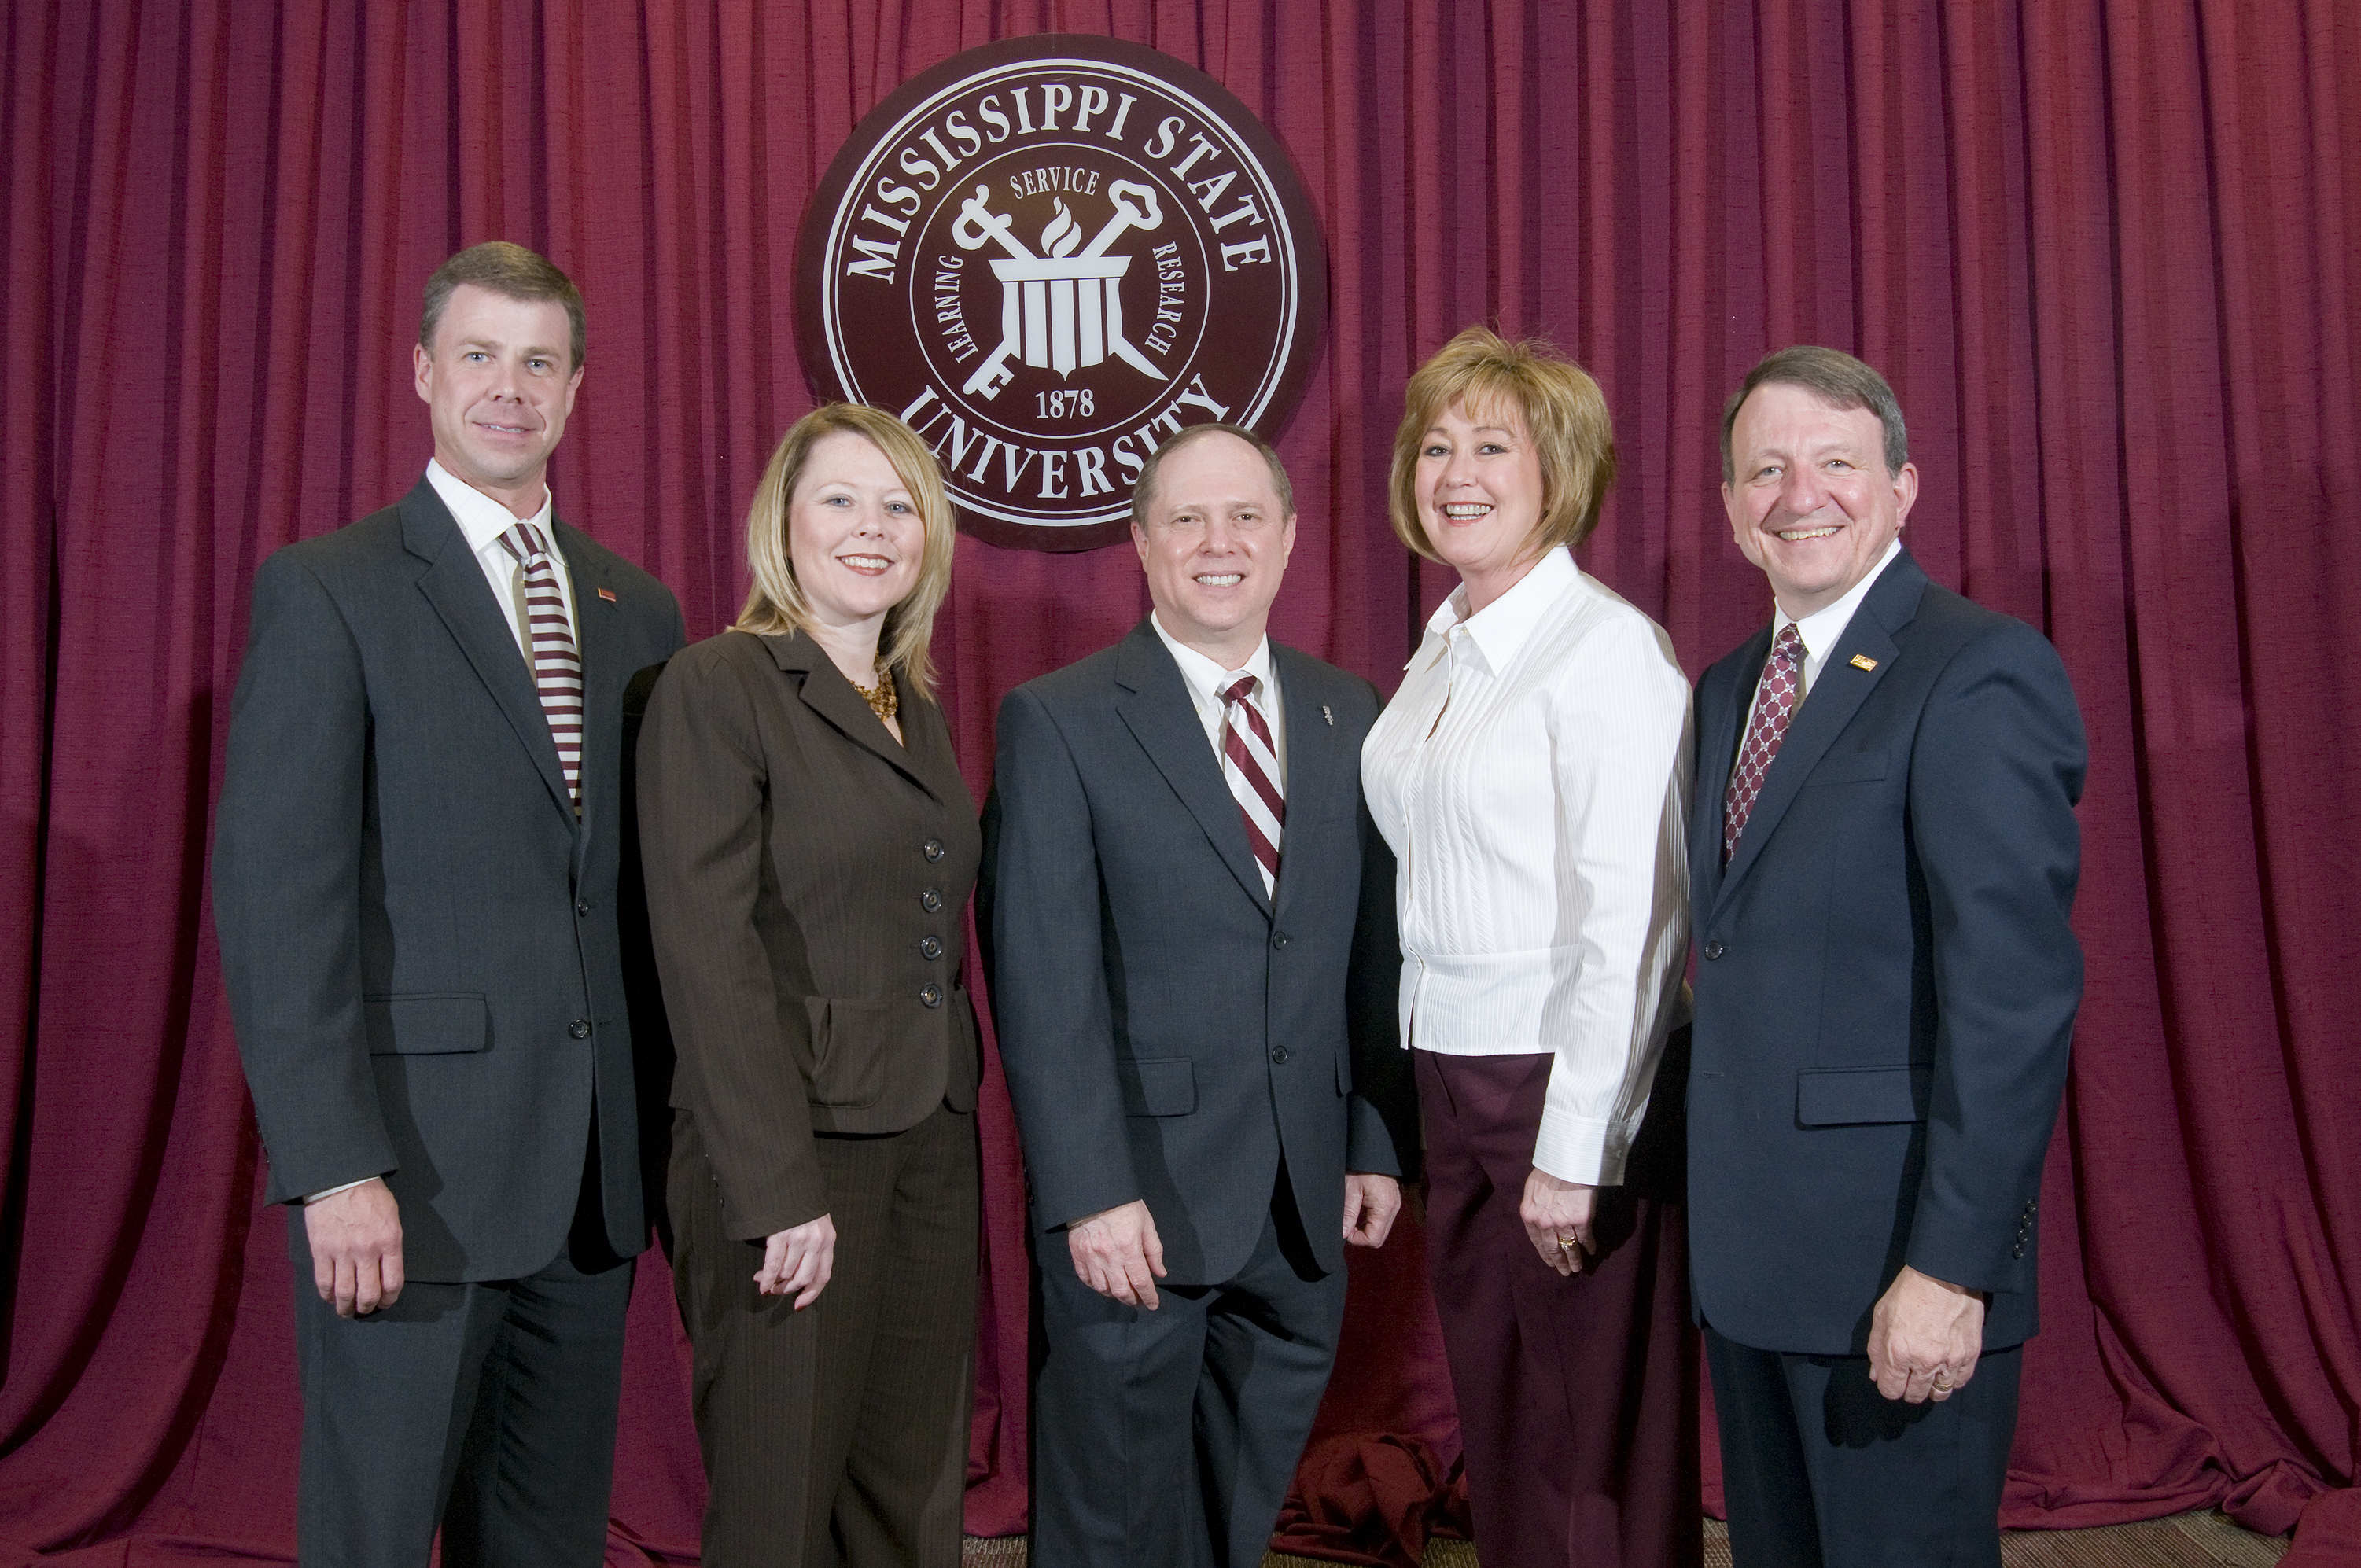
(1531, 776)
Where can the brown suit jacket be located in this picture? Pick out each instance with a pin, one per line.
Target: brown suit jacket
(807, 881)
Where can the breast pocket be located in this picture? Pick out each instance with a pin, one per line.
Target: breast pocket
(426, 1024)
(1851, 767)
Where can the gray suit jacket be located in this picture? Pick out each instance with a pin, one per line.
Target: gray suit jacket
(1167, 1032)
(418, 935)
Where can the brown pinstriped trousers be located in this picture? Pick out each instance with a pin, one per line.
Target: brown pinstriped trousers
(838, 1433)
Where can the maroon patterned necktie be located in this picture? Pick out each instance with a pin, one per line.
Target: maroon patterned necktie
(1250, 763)
(556, 666)
(1782, 689)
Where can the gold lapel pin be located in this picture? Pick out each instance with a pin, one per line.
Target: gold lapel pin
(1864, 662)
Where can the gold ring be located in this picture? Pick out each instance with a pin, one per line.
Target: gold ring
(1565, 1243)
(1942, 1381)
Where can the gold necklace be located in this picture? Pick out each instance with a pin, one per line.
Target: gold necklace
(883, 699)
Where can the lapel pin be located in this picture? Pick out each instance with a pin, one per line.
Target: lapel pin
(1328, 716)
(1864, 662)
(607, 594)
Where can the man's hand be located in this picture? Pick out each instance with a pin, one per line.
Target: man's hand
(1115, 1251)
(798, 1261)
(356, 1240)
(1371, 1201)
(1924, 1338)
(1557, 1220)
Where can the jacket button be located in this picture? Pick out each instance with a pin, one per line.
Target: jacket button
(579, 1028)
(1714, 950)
(1279, 1055)
(934, 849)
(1278, 938)
(932, 948)
(931, 900)
(2017, 1251)
(582, 907)
(932, 997)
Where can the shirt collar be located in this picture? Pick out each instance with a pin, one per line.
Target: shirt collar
(482, 519)
(1822, 628)
(1204, 676)
(1500, 629)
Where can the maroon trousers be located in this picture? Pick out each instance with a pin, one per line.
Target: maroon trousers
(1577, 1397)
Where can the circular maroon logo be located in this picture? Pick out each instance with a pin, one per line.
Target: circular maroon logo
(1048, 254)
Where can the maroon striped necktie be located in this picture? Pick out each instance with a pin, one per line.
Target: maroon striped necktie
(1250, 763)
(1782, 687)
(556, 666)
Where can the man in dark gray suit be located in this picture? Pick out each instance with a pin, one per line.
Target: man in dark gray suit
(414, 880)
(1192, 918)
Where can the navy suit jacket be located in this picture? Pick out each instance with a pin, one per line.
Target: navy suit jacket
(1167, 1032)
(418, 933)
(1886, 980)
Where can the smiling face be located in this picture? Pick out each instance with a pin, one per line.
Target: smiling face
(498, 386)
(1479, 491)
(1214, 547)
(1812, 502)
(855, 535)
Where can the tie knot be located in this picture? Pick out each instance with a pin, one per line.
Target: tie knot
(1237, 686)
(1789, 643)
(524, 541)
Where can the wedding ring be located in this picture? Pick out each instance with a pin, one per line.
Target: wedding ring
(1942, 1380)
(1565, 1243)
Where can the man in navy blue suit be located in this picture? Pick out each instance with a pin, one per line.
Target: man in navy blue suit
(1884, 856)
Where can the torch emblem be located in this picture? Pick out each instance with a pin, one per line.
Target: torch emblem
(1060, 311)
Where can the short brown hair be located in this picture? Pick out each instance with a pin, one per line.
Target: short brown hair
(1564, 415)
(509, 268)
(1840, 379)
(1143, 489)
(776, 602)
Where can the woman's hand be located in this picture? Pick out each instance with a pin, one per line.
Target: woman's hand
(1557, 1220)
(797, 1261)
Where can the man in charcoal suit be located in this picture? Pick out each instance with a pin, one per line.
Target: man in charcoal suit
(1193, 966)
(415, 882)
(1884, 856)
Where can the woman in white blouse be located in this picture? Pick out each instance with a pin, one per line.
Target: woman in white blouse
(1530, 774)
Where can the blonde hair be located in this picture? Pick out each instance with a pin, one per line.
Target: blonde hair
(776, 604)
(1564, 415)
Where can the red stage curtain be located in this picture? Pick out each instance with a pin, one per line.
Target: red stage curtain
(2102, 247)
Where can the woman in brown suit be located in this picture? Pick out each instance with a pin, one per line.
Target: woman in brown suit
(809, 845)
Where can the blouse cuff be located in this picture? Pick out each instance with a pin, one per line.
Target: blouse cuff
(1576, 1148)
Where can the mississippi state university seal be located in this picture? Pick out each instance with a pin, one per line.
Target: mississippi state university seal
(1048, 254)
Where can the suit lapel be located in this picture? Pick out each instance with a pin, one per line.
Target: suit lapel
(1315, 752)
(604, 668)
(826, 693)
(1153, 702)
(1723, 697)
(1836, 696)
(454, 583)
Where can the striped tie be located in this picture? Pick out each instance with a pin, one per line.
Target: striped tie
(557, 667)
(1251, 767)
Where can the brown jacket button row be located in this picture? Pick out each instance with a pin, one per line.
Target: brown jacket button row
(931, 900)
(932, 948)
(932, 997)
(933, 850)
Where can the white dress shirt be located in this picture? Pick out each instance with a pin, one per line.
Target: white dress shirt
(481, 521)
(1531, 776)
(1203, 679)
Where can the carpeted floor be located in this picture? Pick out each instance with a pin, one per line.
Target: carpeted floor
(2189, 1540)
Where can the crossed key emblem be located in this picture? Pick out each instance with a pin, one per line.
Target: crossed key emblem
(1062, 312)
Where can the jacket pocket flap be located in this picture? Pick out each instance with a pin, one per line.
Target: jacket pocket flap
(852, 1041)
(1832, 1097)
(426, 1024)
(1161, 1086)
